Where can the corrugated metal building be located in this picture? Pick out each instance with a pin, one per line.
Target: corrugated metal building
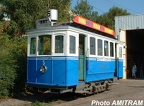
(129, 22)
(130, 30)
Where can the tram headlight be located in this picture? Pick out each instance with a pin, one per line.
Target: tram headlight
(43, 69)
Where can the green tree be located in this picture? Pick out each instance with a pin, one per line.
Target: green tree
(84, 9)
(108, 18)
(13, 55)
(63, 7)
(25, 12)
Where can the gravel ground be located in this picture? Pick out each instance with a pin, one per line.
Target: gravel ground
(131, 89)
(15, 102)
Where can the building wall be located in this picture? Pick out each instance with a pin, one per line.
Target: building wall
(126, 29)
(129, 22)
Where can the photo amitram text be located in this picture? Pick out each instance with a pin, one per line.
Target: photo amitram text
(118, 103)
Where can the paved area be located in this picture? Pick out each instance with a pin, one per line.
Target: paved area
(125, 93)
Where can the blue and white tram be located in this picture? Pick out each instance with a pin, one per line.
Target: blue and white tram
(66, 56)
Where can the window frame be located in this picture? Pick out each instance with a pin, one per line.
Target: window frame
(113, 49)
(53, 44)
(39, 42)
(106, 50)
(97, 52)
(29, 46)
(59, 44)
(67, 44)
(69, 47)
(95, 46)
(118, 46)
(120, 52)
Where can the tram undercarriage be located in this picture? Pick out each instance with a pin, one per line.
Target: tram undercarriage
(94, 87)
(87, 88)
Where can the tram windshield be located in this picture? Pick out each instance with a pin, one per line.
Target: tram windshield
(72, 44)
(44, 45)
(59, 44)
(32, 45)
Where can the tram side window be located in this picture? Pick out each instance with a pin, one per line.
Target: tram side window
(111, 49)
(59, 44)
(120, 52)
(106, 48)
(100, 45)
(33, 46)
(44, 45)
(72, 45)
(92, 45)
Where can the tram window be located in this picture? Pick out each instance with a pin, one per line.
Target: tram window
(100, 45)
(120, 52)
(33, 46)
(72, 45)
(92, 45)
(106, 48)
(111, 49)
(59, 44)
(44, 45)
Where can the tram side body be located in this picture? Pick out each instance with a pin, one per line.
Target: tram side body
(62, 72)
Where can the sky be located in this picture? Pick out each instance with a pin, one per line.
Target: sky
(102, 6)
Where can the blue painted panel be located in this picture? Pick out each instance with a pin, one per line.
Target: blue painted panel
(31, 67)
(120, 68)
(63, 71)
(99, 70)
(99, 76)
(72, 71)
(47, 76)
(59, 72)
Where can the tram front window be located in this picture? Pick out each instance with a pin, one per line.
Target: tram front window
(32, 45)
(59, 44)
(72, 44)
(44, 45)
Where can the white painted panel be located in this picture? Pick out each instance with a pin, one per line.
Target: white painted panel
(122, 37)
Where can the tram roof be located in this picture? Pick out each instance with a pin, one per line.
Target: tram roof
(81, 23)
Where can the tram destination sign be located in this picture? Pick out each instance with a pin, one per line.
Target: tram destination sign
(93, 25)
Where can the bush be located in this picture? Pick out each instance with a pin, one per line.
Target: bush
(39, 104)
(13, 59)
(7, 66)
(19, 53)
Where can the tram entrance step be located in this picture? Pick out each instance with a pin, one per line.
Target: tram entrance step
(115, 79)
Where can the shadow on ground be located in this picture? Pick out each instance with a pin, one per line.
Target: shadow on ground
(48, 97)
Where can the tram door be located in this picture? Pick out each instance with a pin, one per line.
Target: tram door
(82, 58)
(119, 61)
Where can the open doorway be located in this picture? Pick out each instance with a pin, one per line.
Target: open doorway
(135, 50)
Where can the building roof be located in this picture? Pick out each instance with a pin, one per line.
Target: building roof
(129, 22)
